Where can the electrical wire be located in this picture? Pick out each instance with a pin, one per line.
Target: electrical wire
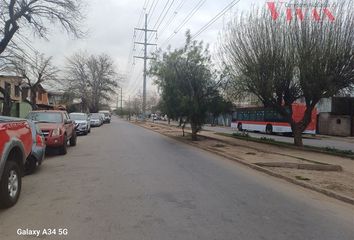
(215, 18)
(185, 21)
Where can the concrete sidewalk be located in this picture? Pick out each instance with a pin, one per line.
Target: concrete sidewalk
(340, 143)
(346, 163)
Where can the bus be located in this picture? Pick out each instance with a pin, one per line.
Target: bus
(268, 120)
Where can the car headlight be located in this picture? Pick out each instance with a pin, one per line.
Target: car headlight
(56, 132)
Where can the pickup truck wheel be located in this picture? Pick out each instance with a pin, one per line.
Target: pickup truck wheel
(64, 148)
(10, 185)
(73, 139)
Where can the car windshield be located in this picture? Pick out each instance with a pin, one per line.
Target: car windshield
(46, 117)
(78, 116)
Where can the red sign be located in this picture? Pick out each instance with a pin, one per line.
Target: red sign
(302, 11)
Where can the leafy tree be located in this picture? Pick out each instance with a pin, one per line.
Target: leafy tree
(282, 62)
(186, 81)
(218, 105)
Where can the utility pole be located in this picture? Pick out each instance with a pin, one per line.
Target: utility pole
(121, 101)
(129, 107)
(145, 57)
(117, 103)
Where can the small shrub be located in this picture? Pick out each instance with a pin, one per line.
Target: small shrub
(267, 139)
(302, 178)
(241, 134)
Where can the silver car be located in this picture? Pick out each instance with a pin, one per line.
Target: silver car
(96, 119)
(82, 122)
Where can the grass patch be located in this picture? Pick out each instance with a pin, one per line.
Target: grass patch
(335, 150)
(267, 139)
(241, 134)
(302, 178)
(326, 150)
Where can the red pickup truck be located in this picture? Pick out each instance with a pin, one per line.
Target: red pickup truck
(15, 147)
(57, 128)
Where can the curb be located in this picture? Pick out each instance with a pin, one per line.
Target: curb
(264, 170)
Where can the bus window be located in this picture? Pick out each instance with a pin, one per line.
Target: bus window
(252, 115)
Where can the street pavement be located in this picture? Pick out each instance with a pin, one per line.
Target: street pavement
(124, 182)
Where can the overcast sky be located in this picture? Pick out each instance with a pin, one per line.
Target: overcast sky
(110, 25)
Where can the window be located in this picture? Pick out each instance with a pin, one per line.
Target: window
(17, 91)
(8, 88)
(252, 115)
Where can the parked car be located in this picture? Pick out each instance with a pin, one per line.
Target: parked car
(82, 122)
(107, 116)
(102, 117)
(96, 119)
(35, 159)
(57, 128)
(15, 147)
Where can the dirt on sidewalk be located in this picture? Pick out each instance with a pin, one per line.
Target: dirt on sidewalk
(338, 184)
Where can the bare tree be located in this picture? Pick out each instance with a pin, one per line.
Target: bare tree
(77, 78)
(40, 69)
(38, 15)
(283, 61)
(92, 78)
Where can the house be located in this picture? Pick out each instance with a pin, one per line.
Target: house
(56, 98)
(42, 96)
(336, 116)
(12, 84)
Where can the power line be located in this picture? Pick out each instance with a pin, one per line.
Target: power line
(215, 18)
(185, 21)
(163, 14)
(173, 16)
(151, 11)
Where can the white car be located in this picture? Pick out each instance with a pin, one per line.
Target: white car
(82, 122)
(96, 120)
(107, 116)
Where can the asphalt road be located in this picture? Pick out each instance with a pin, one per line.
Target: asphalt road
(124, 182)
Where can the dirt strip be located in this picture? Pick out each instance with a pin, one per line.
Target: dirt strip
(336, 184)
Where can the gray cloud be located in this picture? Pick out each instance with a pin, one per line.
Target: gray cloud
(110, 25)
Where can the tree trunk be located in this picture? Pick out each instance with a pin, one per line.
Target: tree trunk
(33, 92)
(194, 132)
(297, 131)
(184, 124)
(299, 127)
